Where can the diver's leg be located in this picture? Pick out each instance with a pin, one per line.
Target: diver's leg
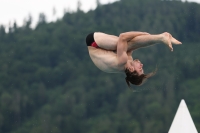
(106, 41)
(148, 40)
(109, 42)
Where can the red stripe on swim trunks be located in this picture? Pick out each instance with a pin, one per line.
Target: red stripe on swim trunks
(94, 45)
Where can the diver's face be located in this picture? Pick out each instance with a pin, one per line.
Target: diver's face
(136, 65)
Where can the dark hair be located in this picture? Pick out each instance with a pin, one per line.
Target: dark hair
(136, 79)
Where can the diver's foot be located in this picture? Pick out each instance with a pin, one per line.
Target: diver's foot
(174, 41)
(167, 40)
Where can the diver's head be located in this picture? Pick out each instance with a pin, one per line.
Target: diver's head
(135, 73)
(134, 65)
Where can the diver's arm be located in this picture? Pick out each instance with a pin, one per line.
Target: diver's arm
(130, 55)
(122, 56)
(122, 46)
(130, 35)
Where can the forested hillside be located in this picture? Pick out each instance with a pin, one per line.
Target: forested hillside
(49, 84)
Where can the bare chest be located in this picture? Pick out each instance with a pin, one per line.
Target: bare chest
(105, 60)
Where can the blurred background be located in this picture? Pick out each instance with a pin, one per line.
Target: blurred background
(48, 83)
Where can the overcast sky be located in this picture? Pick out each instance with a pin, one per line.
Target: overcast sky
(18, 10)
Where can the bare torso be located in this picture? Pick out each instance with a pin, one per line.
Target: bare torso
(105, 60)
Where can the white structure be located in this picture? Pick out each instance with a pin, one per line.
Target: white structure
(182, 122)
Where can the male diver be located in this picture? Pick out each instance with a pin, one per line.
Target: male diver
(113, 54)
